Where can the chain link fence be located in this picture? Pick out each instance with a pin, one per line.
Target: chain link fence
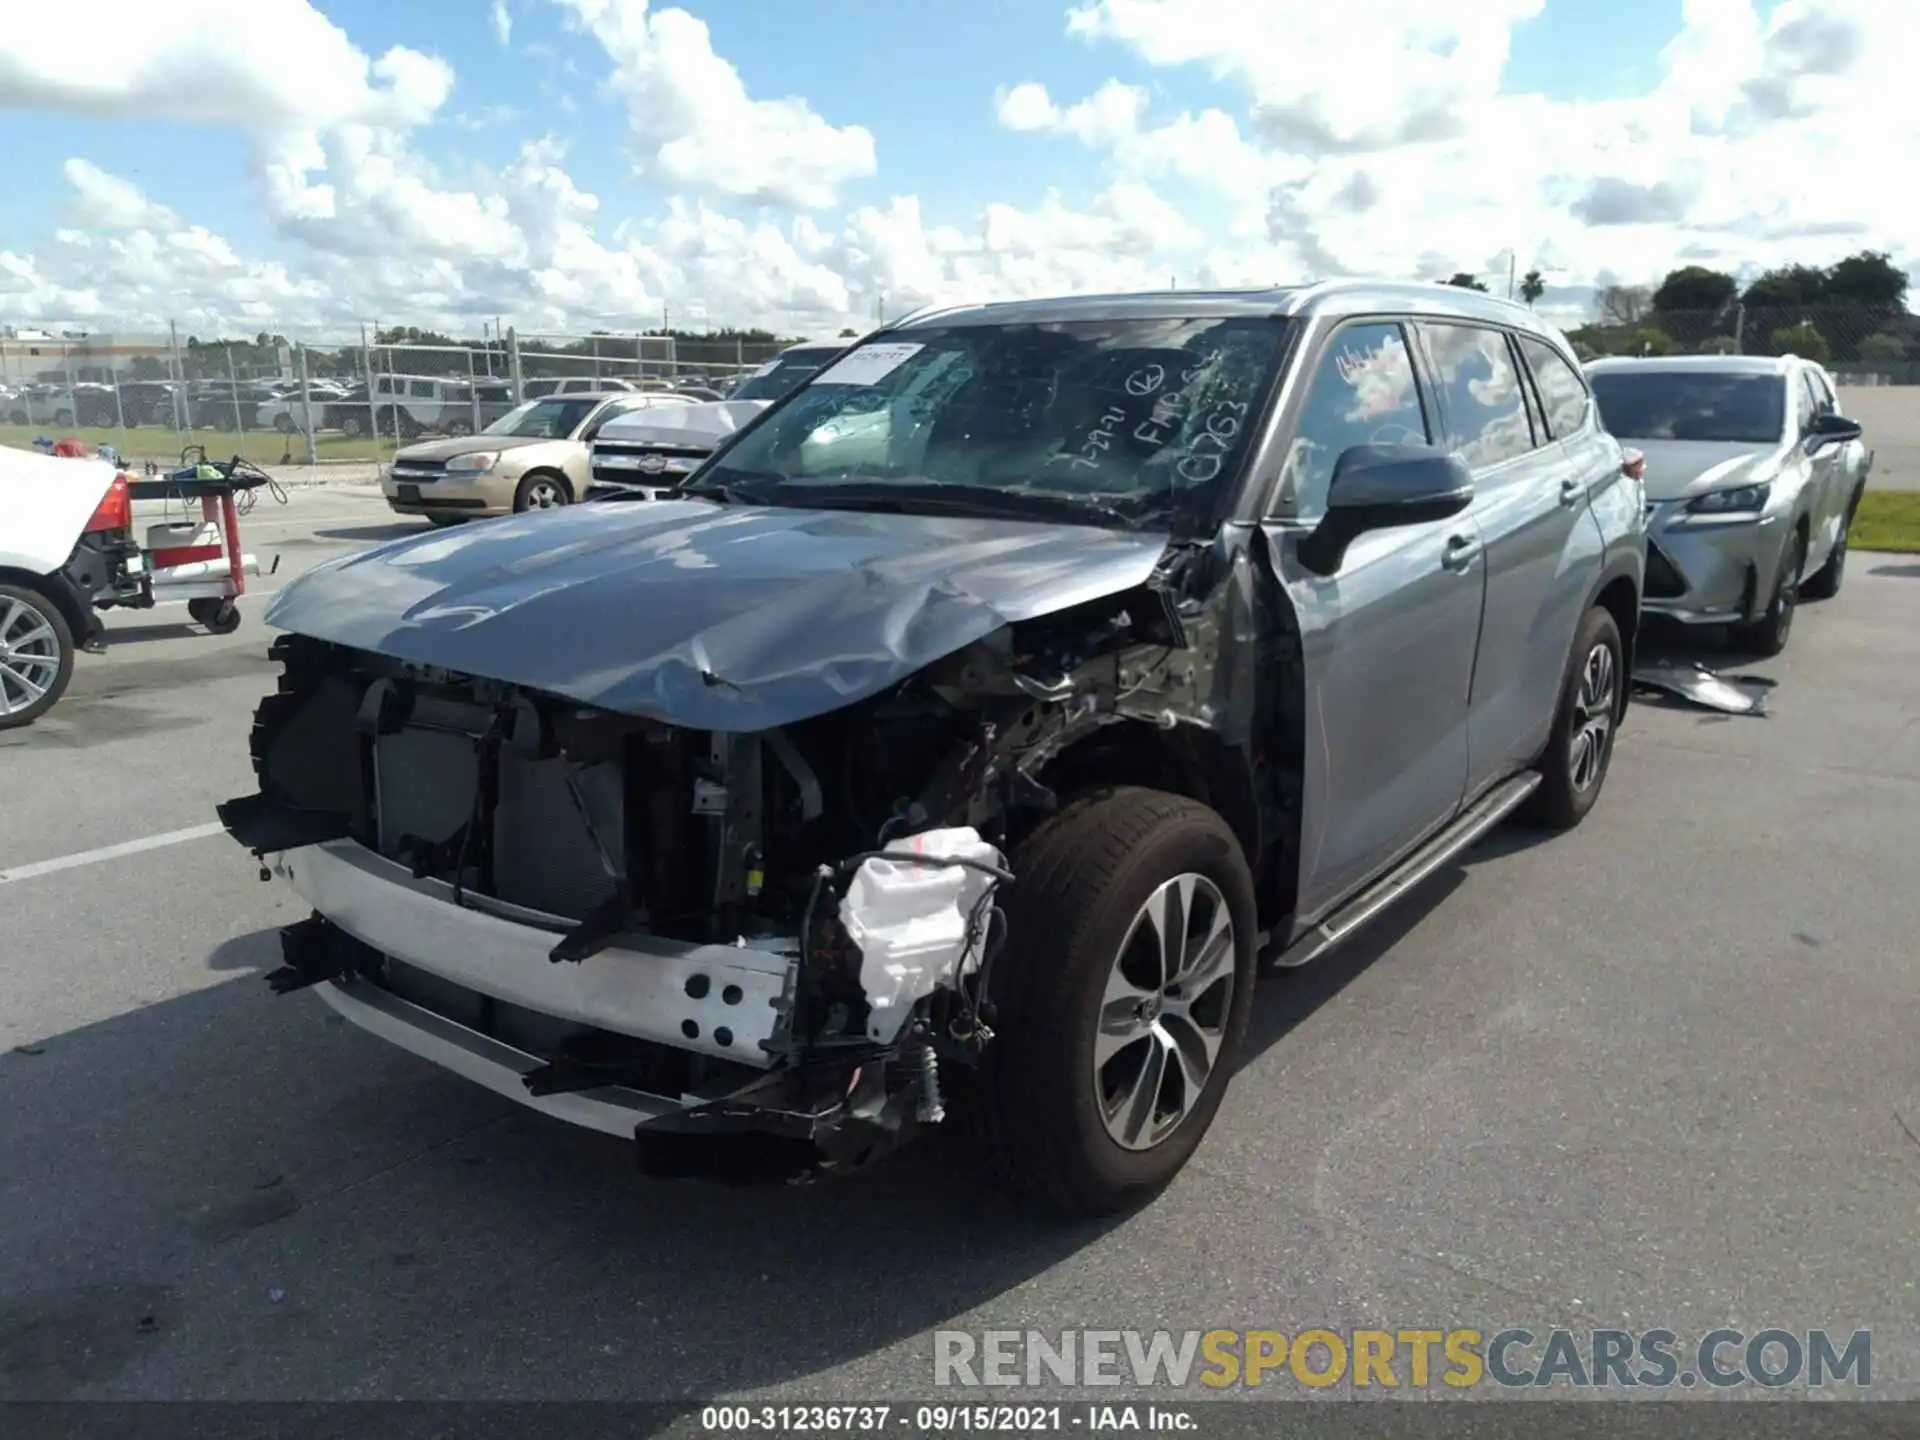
(1860, 344)
(151, 396)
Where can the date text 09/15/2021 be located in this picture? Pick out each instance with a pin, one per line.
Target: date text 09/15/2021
(946, 1419)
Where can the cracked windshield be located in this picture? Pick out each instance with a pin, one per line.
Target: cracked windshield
(1143, 420)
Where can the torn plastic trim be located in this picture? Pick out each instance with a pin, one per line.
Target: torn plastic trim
(1697, 685)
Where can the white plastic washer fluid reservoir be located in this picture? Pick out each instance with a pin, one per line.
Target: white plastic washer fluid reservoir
(910, 921)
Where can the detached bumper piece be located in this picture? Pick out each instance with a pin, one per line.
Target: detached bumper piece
(315, 950)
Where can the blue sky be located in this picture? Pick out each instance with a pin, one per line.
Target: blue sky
(1255, 140)
(920, 76)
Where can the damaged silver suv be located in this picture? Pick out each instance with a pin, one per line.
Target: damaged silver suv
(951, 747)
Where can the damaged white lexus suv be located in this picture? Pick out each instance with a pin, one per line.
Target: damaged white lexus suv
(952, 745)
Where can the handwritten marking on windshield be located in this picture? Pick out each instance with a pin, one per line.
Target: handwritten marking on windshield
(1146, 381)
(1208, 450)
(1099, 440)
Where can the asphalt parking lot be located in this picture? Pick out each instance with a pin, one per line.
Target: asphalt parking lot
(1661, 1071)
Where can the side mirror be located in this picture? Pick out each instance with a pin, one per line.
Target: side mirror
(1831, 428)
(1381, 487)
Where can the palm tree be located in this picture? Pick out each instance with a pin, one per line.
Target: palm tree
(1532, 286)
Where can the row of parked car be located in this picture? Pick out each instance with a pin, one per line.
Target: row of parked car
(407, 405)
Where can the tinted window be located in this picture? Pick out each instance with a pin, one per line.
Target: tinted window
(1822, 391)
(1363, 392)
(1666, 403)
(1563, 394)
(1479, 393)
(1151, 417)
(550, 419)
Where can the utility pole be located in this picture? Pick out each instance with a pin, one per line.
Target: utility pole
(1513, 260)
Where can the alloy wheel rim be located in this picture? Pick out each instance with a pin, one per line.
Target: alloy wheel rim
(544, 495)
(1593, 708)
(29, 656)
(1163, 1014)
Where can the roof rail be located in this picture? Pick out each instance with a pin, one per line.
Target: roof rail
(937, 307)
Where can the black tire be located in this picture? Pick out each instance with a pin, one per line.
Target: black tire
(1767, 636)
(1825, 582)
(1572, 772)
(1030, 1111)
(222, 617)
(444, 522)
(63, 418)
(23, 612)
(18, 417)
(285, 425)
(352, 426)
(541, 490)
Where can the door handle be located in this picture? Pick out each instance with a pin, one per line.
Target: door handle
(1572, 491)
(1460, 552)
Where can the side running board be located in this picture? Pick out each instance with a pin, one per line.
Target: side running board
(1461, 833)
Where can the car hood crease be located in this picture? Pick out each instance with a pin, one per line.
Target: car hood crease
(732, 618)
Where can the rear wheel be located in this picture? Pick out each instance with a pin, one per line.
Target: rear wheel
(1767, 636)
(1121, 999)
(353, 425)
(443, 521)
(1573, 767)
(63, 418)
(36, 655)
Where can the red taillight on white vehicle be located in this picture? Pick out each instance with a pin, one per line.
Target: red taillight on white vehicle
(1633, 465)
(115, 510)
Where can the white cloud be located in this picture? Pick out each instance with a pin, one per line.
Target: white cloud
(249, 63)
(1762, 140)
(501, 19)
(106, 202)
(696, 128)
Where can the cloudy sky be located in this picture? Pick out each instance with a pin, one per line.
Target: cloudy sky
(307, 165)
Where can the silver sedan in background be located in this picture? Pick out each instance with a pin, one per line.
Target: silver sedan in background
(1752, 477)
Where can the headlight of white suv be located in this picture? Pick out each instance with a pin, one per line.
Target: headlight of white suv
(478, 461)
(1742, 499)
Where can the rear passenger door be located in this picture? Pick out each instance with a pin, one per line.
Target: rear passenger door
(1387, 640)
(1541, 548)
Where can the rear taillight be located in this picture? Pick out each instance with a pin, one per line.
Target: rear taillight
(115, 510)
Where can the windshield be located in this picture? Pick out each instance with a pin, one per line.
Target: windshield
(553, 419)
(1669, 404)
(777, 377)
(1131, 420)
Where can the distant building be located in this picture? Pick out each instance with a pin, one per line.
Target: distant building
(28, 355)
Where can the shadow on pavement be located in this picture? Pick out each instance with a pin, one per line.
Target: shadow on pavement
(1905, 572)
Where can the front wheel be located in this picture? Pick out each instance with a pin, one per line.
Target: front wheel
(1121, 997)
(1767, 636)
(1573, 767)
(36, 655)
(1825, 582)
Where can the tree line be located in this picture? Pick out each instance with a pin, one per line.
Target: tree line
(1853, 311)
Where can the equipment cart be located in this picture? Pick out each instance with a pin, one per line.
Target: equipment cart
(201, 561)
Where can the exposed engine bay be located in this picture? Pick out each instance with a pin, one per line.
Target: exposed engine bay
(787, 931)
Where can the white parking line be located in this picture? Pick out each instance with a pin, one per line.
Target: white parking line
(111, 852)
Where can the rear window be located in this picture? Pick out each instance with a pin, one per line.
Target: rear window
(786, 373)
(1668, 404)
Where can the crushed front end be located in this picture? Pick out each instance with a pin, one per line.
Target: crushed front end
(678, 935)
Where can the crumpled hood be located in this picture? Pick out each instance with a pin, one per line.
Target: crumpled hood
(716, 617)
(45, 502)
(1680, 469)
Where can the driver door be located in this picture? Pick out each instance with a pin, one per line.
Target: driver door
(1388, 640)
